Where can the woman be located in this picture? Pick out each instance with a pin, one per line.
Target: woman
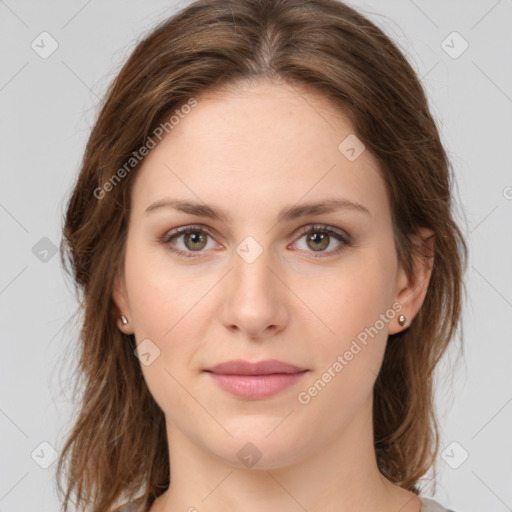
(262, 231)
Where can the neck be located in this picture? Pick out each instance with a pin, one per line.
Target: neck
(340, 475)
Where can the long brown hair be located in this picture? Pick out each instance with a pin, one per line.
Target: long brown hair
(117, 447)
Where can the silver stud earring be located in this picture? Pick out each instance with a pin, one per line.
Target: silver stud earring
(124, 320)
(401, 320)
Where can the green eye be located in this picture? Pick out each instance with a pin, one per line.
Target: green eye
(195, 239)
(319, 237)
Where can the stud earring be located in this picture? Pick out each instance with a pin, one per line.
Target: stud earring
(124, 320)
(401, 320)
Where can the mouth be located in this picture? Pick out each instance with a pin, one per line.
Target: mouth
(255, 380)
(267, 367)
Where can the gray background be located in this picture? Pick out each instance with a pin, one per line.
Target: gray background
(47, 108)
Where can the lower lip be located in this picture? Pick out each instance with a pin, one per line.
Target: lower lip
(256, 386)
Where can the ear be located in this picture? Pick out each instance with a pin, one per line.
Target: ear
(120, 298)
(411, 291)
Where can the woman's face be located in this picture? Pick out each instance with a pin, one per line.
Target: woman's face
(265, 278)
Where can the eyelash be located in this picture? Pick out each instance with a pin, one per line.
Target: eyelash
(316, 228)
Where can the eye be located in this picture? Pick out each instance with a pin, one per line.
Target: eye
(319, 238)
(195, 239)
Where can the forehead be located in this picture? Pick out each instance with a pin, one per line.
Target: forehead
(259, 146)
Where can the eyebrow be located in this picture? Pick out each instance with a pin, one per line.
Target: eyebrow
(286, 214)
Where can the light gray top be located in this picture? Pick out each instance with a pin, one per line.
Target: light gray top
(427, 505)
(431, 505)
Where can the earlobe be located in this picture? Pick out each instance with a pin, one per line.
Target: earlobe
(122, 314)
(412, 290)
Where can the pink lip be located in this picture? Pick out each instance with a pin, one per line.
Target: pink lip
(255, 380)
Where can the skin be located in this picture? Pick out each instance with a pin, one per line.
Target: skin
(250, 152)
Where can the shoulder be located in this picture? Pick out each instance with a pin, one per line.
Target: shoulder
(138, 505)
(428, 505)
(431, 505)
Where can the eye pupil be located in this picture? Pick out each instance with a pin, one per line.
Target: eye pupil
(196, 238)
(319, 237)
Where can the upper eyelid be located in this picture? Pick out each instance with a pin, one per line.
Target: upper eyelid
(323, 227)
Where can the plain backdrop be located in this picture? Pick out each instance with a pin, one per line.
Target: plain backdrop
(462, 50)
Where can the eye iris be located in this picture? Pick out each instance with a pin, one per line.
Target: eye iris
(318, 237)
(196, 238)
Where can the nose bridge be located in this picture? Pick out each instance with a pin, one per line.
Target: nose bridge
(253, 302)
(251, 268)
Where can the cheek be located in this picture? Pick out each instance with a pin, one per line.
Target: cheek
(356, 307)
(160, 294)
(347, 360)
(168, 304)
(349, 298)
(165, 307)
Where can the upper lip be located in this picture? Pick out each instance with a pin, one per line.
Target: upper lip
(241, 367)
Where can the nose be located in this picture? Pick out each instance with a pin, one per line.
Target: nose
(255, 298)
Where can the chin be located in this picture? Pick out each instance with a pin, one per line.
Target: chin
(253, 447)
